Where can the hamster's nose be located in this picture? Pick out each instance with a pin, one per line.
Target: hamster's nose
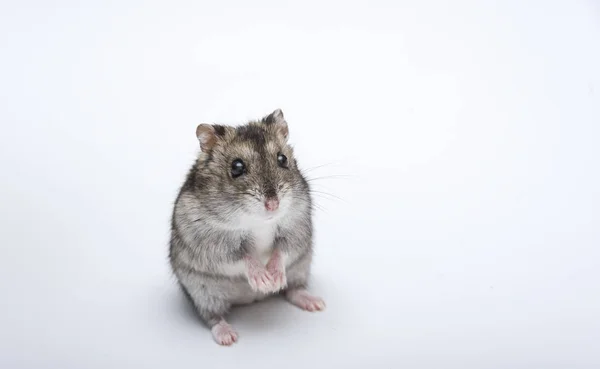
(272, 204)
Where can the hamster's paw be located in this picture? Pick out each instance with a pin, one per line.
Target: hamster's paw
(304, 300)
(278, 274)
(261, 280)
(224, 334)
(279, 280)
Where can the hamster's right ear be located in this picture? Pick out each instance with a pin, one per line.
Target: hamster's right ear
(207, 136)
(277, 120)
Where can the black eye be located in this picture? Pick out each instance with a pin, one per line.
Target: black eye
(237, 168)
(282, 160)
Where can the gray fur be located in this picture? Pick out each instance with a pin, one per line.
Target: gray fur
(215, 216)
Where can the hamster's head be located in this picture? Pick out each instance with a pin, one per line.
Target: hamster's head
(250, 170)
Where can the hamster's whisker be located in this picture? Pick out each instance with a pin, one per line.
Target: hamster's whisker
(325, 194)
(319, 207)
(317, 167)
(312, 204)
(335, 176)
(320, 198)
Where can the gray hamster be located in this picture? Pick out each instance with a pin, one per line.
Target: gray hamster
(242, 223)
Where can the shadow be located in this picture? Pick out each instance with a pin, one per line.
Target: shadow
(272, 314)
(266, 315)
(186, 307)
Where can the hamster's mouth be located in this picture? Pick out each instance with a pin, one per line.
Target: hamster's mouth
(271, 215)
(271, 212)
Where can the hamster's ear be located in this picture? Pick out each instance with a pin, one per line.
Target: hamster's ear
(277, 120)
(207, 136)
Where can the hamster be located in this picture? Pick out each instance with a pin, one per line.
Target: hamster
(241, 228)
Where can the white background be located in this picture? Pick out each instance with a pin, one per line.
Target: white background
(463, 141)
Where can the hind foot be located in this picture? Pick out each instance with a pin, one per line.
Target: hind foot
(304, 300)
(224, 334)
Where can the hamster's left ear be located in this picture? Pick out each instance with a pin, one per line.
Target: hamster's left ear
(207, 136)
(276, 120)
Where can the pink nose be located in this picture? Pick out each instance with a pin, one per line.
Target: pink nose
(272, 204)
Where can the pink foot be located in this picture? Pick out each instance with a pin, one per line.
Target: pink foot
(277, 270)
(258, 277)
(304, 300)
(224, 334)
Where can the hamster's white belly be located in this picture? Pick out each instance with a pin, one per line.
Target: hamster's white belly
(263, 238)
(262, 243)
(238, 290)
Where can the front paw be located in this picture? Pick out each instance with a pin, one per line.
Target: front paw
(278, 276)
(261, 280)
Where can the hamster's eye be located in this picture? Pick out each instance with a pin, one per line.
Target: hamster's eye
(237, 168)
(282, 160)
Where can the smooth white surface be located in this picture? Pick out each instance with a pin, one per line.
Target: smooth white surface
(468, 234)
